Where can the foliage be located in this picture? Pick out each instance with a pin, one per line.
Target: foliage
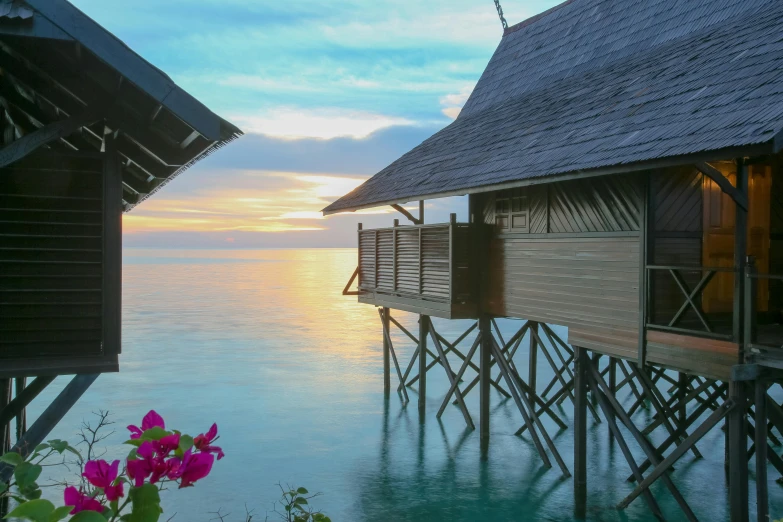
(158, 457)
(296, 506)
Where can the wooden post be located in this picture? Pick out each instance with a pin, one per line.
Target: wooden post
(738, 453)
(740, 252)
(5, 428)
(386, 361)
(580, 431)
(644, 283)
(424, 327)
(762, 496)
(749, 318)
(533, 361)
(485, 374)
(112, 248)
(612, 387)
(21, 417)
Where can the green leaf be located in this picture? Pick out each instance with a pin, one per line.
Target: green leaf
(185, 442)
(58, 445)
(26, 474)
(35, 510)
(60, 513)
(31, 492)
(41, 447)
(3, 487)
(146, 504)
(87, 516)
(74, 451)
(302, 491)
(300, 500)
(11, 458)
(154, 433)
(134, 442)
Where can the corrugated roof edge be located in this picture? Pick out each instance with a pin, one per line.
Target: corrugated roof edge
(533, 19)
(231, 136)
(754, 149)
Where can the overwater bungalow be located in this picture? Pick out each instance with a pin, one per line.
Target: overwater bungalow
(622, 162)
(90, 130)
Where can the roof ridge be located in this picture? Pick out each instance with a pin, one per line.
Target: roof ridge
(535, 18)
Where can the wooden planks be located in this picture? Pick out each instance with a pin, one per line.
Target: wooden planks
(707, 357)
(590, 285)
(51, 258)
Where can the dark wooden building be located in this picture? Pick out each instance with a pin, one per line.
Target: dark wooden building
(89, 130)
(623, 166)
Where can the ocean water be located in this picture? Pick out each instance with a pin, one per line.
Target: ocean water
(263, 343)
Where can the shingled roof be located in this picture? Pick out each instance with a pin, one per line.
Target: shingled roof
(593, 86)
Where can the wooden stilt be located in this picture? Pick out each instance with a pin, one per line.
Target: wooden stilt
(387, 335)
(423, 334)
(612, 387)
(762, 496)
(532, 369)
(646, 446)
(485, 376)
(49, 419)
(605, 405)
(580, 432)
(386, 354)
(667, 463)
(452, 379)
(738, 447)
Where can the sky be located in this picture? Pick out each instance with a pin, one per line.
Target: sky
(328, 93)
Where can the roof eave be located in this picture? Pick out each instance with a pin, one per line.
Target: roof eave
(758, 149)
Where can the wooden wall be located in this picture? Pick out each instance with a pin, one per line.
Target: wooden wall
(776, 243)
(578, 263)
(59, 300)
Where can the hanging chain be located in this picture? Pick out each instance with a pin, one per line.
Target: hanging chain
(500, 14)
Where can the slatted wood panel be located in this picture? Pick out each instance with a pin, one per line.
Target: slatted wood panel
(590, 285)
(407, 252)
(425, 269)
(603, 204)
(385, 260)
(51, 240)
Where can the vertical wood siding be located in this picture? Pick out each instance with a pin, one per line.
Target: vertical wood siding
(51, 240)
(563, 273)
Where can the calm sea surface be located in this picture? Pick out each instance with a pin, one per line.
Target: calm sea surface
(262, 342)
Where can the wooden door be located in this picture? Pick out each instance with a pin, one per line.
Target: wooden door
(719, 226)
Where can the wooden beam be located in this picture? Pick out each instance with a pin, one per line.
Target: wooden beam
(485, 375)
(407, 214)
(52, 415)
(346, 290)
(16, 406)
(724, 184)
(45, 135)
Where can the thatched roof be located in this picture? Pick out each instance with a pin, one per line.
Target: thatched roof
(56, 62)
(598, 86)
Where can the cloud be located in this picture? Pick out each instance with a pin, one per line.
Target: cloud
(452, 103)
(321, 123)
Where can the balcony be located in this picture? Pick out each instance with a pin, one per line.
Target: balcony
(424, 269)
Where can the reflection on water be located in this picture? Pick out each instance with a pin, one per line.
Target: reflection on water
(263, 343)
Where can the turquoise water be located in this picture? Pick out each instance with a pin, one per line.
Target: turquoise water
(262, 343)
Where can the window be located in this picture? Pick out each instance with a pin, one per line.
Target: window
(512, 211)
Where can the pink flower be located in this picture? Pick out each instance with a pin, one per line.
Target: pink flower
(80, 501)
(166, 445)
(192, 467)
(203, 442)
(147, 464)
(101, 474)
(150, 420)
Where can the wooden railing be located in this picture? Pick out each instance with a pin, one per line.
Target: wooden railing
(766, 346)
(425, 262)
(691, 300)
